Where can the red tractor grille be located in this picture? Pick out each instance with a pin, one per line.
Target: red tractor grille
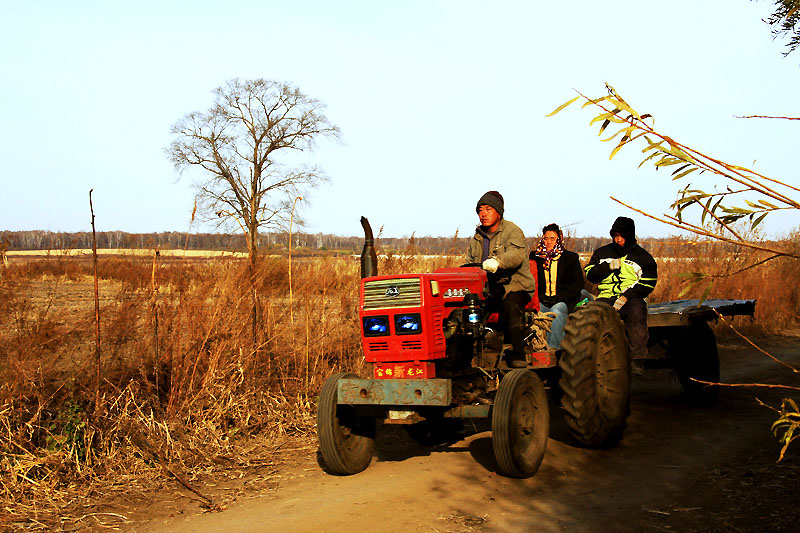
(411, 345)
(391, 293)
(378, 346)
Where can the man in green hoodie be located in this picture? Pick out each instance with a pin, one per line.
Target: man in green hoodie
(501, 249)
(625, 273)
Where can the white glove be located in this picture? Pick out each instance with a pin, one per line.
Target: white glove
(491, 265)
(620, 302)
(615, 264)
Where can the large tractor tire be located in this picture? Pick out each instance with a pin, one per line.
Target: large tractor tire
(520, 424)
(346, 440)
(595, 379)
(694, 350)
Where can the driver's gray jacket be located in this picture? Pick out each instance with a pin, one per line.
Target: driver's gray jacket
(509, 247)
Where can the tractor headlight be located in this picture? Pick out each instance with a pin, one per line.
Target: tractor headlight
(407, 324)
(375, 326)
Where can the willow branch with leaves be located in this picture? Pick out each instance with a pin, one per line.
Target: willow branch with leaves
(747, 195)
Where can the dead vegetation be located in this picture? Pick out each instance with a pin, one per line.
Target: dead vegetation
(183, 391)
(182, 388)
(736, 274)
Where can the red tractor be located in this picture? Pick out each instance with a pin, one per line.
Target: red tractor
(436, 358)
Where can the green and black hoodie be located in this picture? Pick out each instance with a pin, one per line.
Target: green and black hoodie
(638, 275)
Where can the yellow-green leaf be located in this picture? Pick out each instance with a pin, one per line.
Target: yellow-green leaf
(595, 101)
(751, 204)
(758, 220)
(687, 288)
(667, 161)
(648, 158)
(607, 116)
(621, 130)
(766, 203)
(620, 103)
(615, 150)
(685, 173)
(706, 293)
(707, 210)
(652, 145)
(562, 106)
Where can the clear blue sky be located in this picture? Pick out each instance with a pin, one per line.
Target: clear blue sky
(437, 102)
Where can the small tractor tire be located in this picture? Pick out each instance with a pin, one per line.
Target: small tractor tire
(595, 379)
(520, 424)
(346, 440)
(696, 356)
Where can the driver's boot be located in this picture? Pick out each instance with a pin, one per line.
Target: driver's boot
(515, 359)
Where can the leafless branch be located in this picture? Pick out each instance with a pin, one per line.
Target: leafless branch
(767, 116)
(754, 345)
(763, 385)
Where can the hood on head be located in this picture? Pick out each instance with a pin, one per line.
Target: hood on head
(625, 227)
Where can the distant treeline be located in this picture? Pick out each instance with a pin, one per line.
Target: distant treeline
(276, 243)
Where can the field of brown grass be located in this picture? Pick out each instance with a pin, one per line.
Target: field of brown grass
(137, 252)
(183, 388)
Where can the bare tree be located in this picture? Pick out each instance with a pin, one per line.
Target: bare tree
(246, 146)
(243, 144)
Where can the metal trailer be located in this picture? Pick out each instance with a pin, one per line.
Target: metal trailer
(681, 338)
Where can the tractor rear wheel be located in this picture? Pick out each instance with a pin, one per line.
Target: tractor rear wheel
(346, 440)
(520, 424)
(694, 351)
(595, 377)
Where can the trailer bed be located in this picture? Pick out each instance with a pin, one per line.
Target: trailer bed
(682, 312)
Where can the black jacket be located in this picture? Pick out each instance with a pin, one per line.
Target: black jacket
(638, 274)
(569, 280)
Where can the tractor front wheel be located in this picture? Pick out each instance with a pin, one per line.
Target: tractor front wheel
(520, 424)
(346, 440)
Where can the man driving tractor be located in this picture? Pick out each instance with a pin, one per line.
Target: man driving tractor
(500, 247)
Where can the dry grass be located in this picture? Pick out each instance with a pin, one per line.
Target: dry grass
(184, 389)
(773, 283)
(192, 392)
(141, 252)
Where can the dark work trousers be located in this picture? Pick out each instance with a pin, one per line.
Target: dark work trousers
(634, 316)
(512, 311)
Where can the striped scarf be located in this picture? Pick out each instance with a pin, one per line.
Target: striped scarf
(541, 250)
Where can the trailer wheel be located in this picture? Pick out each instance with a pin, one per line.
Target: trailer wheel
(520, 424)
(696, 356)
(346, 440)
(595, 376)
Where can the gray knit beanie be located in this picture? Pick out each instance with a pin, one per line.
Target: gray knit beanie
(493, 199)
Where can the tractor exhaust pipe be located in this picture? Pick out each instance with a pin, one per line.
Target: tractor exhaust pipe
(369, 261)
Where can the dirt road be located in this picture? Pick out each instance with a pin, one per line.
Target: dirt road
(678, 468)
